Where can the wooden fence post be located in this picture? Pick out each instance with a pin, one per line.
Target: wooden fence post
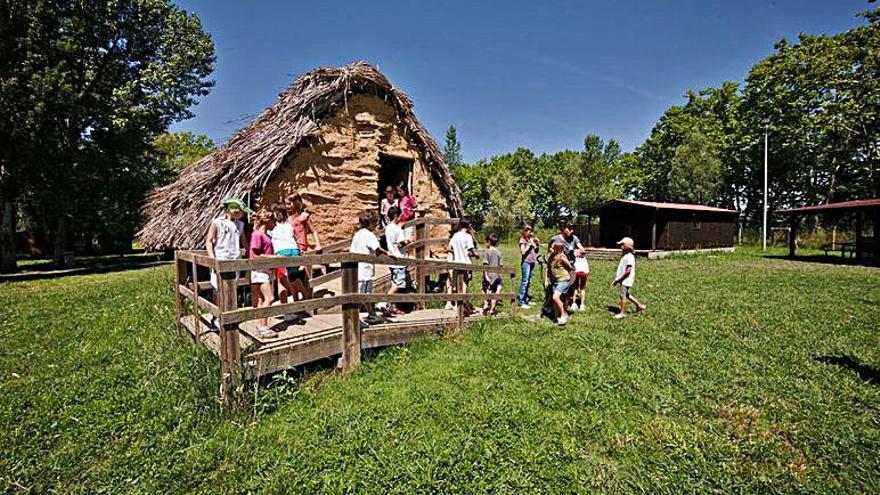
(230, 350)
(197, 315)
(179, 298)
(351, 328)
(420, 270)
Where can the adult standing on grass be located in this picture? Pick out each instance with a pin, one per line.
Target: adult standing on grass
(571, 247)
(626, 276)
(528, 249)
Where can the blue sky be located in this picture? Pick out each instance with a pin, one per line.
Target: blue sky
(537, 74)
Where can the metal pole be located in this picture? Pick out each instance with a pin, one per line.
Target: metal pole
(764, 230)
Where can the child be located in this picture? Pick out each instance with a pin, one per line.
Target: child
(462, 246)
(626, 275)
(560, 277)
(226, 238)
(300, 219)
(395, 239)
(366, 242)
(492, 281)
(285, 245)
(387, 202)
(261, 280)
(581, 279)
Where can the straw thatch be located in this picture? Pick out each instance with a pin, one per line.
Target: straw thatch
(177, 214)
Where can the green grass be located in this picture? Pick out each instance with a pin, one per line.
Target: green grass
(746, 374)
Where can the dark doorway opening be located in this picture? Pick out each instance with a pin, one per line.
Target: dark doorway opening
(393, 171)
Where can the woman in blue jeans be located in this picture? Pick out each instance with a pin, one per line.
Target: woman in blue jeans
(528, 248)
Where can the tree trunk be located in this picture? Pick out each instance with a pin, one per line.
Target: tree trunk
(60, 242)
(7, 235)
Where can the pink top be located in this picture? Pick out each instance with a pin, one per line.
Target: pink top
(407, 207)
(299, 231)
(260, 244)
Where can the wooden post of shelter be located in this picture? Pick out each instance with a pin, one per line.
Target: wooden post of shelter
(876, 221)
(420, 254)
(654, 232)
(792, 235)
(351, 330)
(179, 298)
(857, 251)
(230, 348)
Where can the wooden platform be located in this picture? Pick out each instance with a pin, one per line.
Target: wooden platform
(319, 336)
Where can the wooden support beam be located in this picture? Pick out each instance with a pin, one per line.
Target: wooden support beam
(203, 303)
(231, 385)
(195, 300)
(858, 248)
(351, 330)
(420, 254)
(179, 298)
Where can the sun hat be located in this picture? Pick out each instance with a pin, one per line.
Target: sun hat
(626, 240)
(238, 205)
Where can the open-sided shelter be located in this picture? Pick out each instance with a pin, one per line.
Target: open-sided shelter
(338, 136)
(866, 211)
(663, 226)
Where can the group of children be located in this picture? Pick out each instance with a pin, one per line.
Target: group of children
(284, 229)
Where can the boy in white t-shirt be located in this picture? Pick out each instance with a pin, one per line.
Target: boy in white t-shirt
(462, 247)
(396, 240)
(626, 276)
(366, 242)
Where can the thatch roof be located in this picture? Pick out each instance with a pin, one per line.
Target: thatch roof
(177, 215)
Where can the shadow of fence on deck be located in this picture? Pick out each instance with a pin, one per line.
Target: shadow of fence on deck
(866, 373)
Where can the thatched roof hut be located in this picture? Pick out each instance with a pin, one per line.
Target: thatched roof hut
(336, 136)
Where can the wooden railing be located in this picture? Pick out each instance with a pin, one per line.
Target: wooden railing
(230, 316)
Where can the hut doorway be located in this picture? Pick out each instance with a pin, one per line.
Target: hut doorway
(393, 171)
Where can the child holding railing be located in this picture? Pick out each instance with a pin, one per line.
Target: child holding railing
(366, 242)
(261, 280)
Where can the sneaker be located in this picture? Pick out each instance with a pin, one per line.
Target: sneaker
(449, 306)
(372, 320)
(572, 308)
(525, 306)
(266, 333)
(620, 316)
(562, 320)
(583, 307)
(288, 318)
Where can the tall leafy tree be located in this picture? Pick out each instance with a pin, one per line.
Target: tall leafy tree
(452, 148)
(177, 150)
(598, 173)
(695, 174)
(89, 86)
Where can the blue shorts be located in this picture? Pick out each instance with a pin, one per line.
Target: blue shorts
(365, 286)
(293, 272)
(561, 286)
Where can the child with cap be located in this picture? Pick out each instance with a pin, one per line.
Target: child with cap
(226, 236)
(626, 276)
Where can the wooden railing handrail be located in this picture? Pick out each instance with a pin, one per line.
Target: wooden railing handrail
(269, 262)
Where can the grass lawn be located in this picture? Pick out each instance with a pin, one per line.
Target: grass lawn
(746, 374)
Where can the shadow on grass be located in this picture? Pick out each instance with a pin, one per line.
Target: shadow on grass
(827, 259)
(866, 373)
(85, 266)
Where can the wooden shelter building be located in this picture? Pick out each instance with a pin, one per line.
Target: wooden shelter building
(865, 210)
(662, 226)
(338, 136)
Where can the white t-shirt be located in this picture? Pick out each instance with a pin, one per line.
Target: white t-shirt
(393, 236)
(226, 245)
(460, 244)
(581, 265)
(627, 259)
(364, 242)
(282, 236)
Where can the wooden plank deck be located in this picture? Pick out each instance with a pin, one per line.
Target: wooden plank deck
(319, 336)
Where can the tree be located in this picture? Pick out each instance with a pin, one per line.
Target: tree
(452, 148)
(598, 173)
(178, 150)
(695, 171)
(508, 202)
(86, 89)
